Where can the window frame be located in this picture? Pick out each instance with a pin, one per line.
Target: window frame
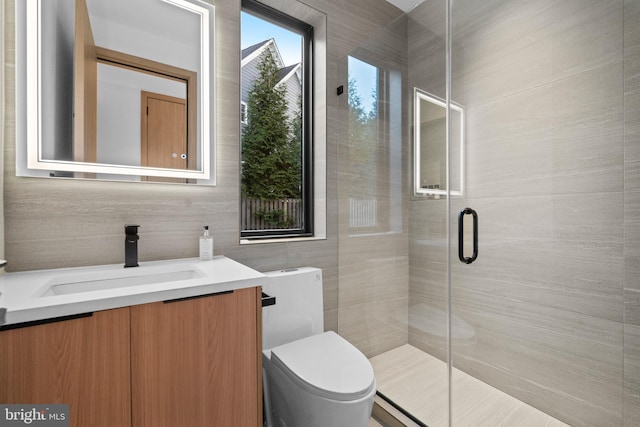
(306, 31)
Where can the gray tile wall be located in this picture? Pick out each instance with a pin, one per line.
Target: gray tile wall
(631, 403)
(549, 312)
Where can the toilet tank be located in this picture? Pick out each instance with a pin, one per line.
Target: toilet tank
(298, 311)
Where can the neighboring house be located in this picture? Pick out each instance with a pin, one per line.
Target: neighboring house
(288, 76)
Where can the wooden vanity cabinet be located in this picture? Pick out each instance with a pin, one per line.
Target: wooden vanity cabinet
(196, 362)
(191, 362)
(83, 362)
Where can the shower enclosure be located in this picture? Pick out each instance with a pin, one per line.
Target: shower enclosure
(523, 117)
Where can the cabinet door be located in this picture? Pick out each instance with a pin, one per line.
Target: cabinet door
(196, 362)
(83, 362)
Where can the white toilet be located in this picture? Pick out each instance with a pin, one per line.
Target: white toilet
(311, 378)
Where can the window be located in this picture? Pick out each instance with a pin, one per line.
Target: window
(364, 144)
(276, 111)
(374, 147)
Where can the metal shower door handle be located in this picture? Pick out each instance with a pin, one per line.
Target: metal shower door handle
(467, 211)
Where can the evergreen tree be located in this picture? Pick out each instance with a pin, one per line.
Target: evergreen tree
(271, 163)
(363, 144)
(295, 147)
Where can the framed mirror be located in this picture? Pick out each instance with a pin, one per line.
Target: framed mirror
(430, 146)
(118, 89)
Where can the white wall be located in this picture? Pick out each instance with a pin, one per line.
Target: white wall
(57, 78)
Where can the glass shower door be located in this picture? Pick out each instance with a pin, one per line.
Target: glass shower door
(538, 319)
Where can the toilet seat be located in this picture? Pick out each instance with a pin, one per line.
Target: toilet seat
(326, 365)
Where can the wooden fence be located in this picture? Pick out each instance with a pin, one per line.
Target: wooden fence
(257, 214)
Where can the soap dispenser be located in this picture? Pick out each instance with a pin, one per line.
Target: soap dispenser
(206, 245)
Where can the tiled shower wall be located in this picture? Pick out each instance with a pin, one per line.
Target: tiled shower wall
(631, 392)
(549, 312)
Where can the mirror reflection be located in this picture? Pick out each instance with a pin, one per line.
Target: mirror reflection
(430, 146)
(123, 88)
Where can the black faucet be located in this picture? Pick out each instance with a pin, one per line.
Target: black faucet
(131, 245)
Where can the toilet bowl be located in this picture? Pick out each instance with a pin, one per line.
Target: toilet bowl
(311, 378)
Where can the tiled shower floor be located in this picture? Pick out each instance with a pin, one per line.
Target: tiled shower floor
(418, 382)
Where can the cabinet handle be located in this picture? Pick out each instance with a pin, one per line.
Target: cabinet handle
(45, 321)
(198, 296)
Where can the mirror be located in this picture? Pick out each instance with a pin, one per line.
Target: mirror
(430, 146)
(118, 89)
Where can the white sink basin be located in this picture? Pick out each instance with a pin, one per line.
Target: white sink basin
(73, 284)
(45, 294)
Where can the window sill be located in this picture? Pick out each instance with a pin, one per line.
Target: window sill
(280, 240)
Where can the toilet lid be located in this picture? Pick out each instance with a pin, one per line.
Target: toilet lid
(326, 365)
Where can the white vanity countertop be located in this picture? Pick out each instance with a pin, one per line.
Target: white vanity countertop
(45, 294)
